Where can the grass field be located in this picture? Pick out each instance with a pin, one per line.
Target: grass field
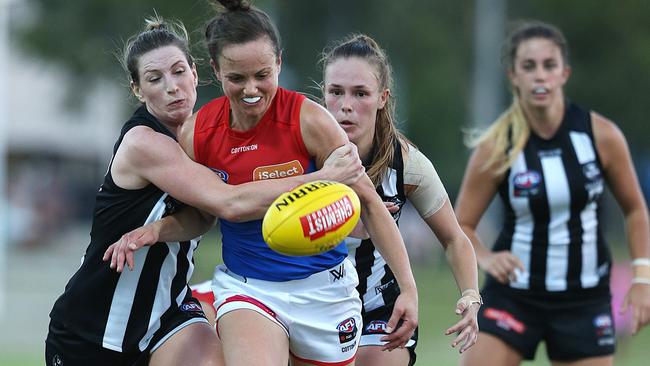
(437, 297)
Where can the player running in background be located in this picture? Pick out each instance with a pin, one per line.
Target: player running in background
(549, 160)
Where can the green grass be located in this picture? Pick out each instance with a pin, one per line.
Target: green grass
(21, 357)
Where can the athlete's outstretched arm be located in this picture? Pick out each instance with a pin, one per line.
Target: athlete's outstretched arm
(252, 199)
(461, 259)
(185, 225)
(322, 134)
(622, 180)
(160, 160)
(425, 191)
(478, 188)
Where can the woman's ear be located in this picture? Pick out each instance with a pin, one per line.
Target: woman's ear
(215, 69)
(383, 98)
(135, 88)
(566, 73)
(196, 75)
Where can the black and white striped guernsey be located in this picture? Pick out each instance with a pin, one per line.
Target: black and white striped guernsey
(122, 312)
(552, 198)
(377, 284)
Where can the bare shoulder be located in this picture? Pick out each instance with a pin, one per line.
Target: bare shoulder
(313, 114)
(137, 140)
(134, 151)
(605, 130)
(609, 139)
(320, 132)
(142, 145)
(481, 154)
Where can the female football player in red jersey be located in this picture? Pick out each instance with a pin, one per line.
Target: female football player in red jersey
(271, 307)
(357, 82)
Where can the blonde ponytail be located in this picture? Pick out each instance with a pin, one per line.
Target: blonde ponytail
(507, 137)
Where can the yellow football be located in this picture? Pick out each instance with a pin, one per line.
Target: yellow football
(312, 218)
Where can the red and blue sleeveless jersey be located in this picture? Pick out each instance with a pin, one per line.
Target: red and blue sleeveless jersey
(272, 149)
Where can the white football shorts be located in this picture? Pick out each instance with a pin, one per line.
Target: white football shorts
(321, 314)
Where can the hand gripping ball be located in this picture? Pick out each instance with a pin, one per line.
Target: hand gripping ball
(312, 218)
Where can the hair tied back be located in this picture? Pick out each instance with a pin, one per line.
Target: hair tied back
(235, 5)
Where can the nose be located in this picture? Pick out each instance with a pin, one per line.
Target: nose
(540, 73)
(250, 88)
(171, 86)
(346, 103)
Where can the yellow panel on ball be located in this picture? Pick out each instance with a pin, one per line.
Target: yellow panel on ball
(312, 218)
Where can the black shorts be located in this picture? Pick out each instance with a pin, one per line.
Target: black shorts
(374, 328)
(65, 348)
(571, 330)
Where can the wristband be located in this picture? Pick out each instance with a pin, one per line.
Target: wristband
(641, 280)
(475, 296)
(641, 262)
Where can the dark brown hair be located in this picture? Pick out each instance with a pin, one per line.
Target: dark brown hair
(238, 22)
(524, 30)
(157, 33)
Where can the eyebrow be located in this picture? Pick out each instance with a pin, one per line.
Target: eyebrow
(361, 86)
(145, 71)
(264, 69)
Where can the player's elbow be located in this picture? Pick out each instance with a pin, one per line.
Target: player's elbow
(234, 211)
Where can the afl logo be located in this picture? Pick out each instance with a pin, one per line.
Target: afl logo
(191, 307)
(526, 183)
(376, 326)
(591, 171)
(222, 174)
(347, 330)
(526, 180)
(603, 321)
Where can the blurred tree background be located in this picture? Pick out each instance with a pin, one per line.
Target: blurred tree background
(429, 43)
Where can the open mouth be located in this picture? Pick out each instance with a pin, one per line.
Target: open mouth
(540, 90)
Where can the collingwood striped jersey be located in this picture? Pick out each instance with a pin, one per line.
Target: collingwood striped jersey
(122, 311)
(416, 180)
(377, 284)
(552, 198)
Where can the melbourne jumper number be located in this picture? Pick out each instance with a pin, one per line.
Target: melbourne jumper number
(327, 219)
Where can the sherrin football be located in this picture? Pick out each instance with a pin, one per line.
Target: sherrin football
(311, 219)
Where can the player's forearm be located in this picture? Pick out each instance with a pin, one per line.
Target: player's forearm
(481, 252)
(461, 259)
(639, 241)
(250, 201)
(638, 233)
(185, 225)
